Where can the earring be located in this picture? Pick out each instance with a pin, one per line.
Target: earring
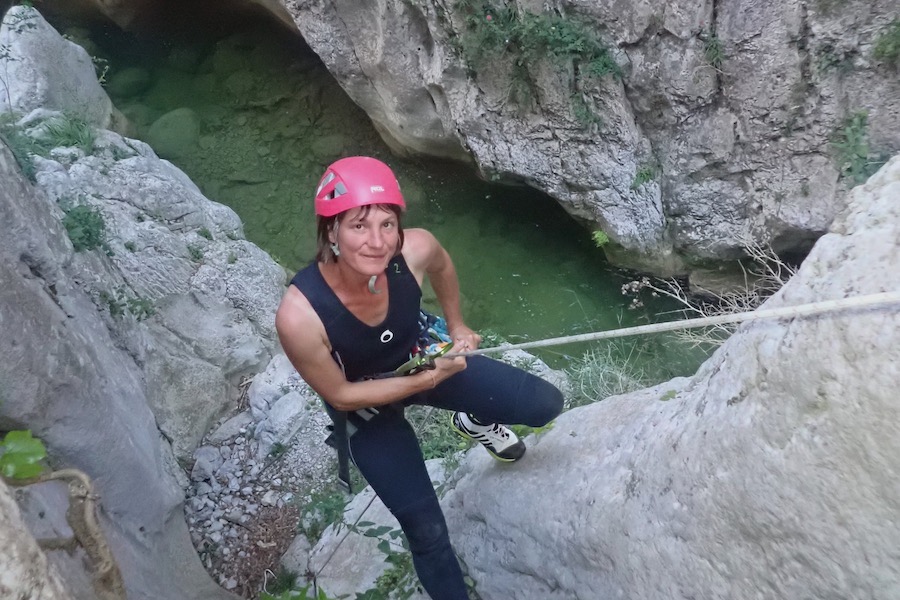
(334, 249)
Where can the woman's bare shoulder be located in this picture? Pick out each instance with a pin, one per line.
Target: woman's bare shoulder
(419, 246)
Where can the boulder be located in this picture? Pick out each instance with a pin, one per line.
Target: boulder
(770, 473)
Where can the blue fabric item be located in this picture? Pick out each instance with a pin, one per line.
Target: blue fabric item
(366, 350)
(387, 453)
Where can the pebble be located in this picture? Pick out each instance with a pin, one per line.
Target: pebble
(230, 485)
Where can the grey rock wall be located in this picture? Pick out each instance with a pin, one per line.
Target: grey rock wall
(121, 356)
(26, 572)
(773, 473)
(735, 105)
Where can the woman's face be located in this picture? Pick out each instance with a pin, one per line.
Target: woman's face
(368, 237)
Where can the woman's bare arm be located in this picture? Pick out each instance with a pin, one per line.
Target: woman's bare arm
(305, 342)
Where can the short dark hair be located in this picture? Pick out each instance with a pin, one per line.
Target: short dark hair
(324, 225)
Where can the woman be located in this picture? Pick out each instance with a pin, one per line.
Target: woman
(354, 314)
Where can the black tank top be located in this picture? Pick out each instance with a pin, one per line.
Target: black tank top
(363, 350)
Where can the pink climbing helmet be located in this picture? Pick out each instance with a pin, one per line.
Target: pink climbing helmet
(356, 181)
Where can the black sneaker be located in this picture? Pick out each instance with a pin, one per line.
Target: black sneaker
(499, 440)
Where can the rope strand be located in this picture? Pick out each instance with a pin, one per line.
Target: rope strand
(800, 310)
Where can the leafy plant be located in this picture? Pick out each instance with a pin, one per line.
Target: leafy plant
(85, 226)
(285, 580)
(436, 438)
(21, 455)
(23, 146)
(524, 38)
(304, 593)
(204, 233)
(644, 174)
(399, 580)
(713, 51)
(834, 59)
(600, 238)
(583, 113)
(851, 144)
(68, 131)
(887, 46)
(120, 303)
(325, 507)
(278, 450)
(195, 252)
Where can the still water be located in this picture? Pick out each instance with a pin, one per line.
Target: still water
(259, 117)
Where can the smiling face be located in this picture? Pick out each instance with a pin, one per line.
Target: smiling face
(368, 237)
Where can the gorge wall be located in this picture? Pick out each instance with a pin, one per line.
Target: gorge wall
(722, 123)
(720, 128)
(131, 308)
(772, 473)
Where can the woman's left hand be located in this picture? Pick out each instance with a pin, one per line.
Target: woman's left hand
(464, 339)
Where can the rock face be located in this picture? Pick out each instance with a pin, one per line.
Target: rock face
(26, 572)
(771, 473)
(719, 130)
(121, 353)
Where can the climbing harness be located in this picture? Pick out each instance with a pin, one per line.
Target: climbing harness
(784, 312)
(433, 342)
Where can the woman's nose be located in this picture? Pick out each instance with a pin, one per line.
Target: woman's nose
(376, 238)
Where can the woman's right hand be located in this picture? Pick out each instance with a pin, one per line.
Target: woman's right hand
(444, 368)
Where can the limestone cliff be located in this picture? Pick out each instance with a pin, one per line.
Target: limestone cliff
(721, 127)
(131, 307)
(772, 473)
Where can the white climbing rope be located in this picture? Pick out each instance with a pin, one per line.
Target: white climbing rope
(784, 312)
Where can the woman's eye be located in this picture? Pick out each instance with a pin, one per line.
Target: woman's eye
(388, 225)
(358, 226)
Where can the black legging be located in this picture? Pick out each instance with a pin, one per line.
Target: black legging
(387, 453)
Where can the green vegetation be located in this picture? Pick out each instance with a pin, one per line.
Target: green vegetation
(529, 37)
(86, 227)
(852, 154)
(522, 38)
(833, 58)
(887, 46)
(325, 507)
(23, 146)
(285, 580)
(204, 233)
(436, 437)
(668, 396)
(645, 173)
(66, 132)
(608, 371)
(63, 131)
(713, 51)
(304, 593)
(278, 450)
(195, 252)
(600, 238)
(582, 111)
(120, 303)
(21, 455)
